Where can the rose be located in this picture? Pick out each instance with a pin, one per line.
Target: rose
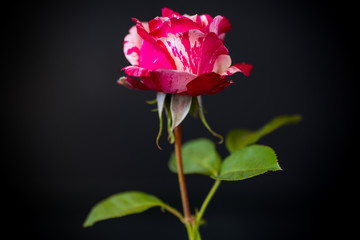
(180, 55)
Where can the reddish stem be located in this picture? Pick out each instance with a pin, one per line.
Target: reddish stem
(182, 183)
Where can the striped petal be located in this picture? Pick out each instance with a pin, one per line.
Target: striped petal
(132, 46)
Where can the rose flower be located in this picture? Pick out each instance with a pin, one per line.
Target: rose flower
(180, 54)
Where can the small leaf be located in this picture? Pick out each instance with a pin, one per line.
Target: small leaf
(198, 156)
(248, 162)
(240, 138)
(180, 107)
(120, 205)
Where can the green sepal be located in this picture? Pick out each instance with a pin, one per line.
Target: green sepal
(237, 139)
(248, 162)
(203, 119)
(151, 102)
(160, 99)
(179, 108)
(198, 156)
(171, 136)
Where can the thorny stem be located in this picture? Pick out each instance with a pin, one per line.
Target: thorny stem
(181, 177)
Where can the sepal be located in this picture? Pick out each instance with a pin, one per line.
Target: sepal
(203, 119)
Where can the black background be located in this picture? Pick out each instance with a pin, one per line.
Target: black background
(76, 137)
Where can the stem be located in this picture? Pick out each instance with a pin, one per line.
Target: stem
(190, 231)
(206, 201)
(183, 191)
(175, 212)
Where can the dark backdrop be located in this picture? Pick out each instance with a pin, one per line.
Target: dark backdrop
(77, 137)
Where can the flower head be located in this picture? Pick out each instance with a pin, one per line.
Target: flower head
(180, 54)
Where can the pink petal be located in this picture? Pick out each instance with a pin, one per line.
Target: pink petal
(182, 24)
(132, 83)
(212, 48)
(207, 83)
(136, 71)
(142, 31)
(202, 20)
(245, 68)
(167, 12)
(185, 49)
(196, 52)
(154, 56)
(222, 63)
(159, 27)
(220, 25)
(132, 46)
(206, 19)
(168, 81)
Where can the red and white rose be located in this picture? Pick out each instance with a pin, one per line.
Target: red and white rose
(180, 54)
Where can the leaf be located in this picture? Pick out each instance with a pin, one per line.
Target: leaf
(240, 138)
(198, 156)
(180, 107)
(248, 162)
(203, 119)
(120, 205)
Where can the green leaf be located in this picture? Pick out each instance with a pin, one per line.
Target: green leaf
(240, 138)
(122, 204)
(248, 162)
(199, 156)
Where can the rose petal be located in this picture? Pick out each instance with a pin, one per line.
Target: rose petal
(201, 21)
(154, 56)
(196, 52)
(132, 83)
(220, 25)
(221, 64)
(168, 81)
(245, 68)
(143, 31)
(132, 46)
(167, 12)
(212, 48)
(185, 49)
(159, 27)
(206, 19)
(207, 83)
(182, 24)
(135, 71)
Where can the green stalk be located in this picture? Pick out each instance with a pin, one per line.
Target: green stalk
(175, 212)
(190, 231)
(206, 201)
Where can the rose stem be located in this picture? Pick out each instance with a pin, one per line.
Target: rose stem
(183, 191)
